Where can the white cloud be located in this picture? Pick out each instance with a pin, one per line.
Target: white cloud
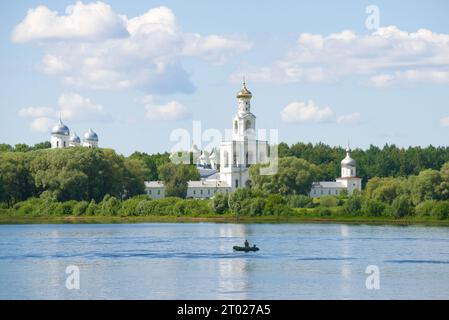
(385, 57)
(349, 118)
(75, 107)
(91, 21)
(144, 52)
(306, 112)
(71, 107)
(170, 111)
(35, 112)
(42, 124)
(444, 122)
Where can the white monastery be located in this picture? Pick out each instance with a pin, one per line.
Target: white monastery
(225, 168)
(61, 138)
(235, 157)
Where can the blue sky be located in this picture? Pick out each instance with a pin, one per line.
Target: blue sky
(136, 70)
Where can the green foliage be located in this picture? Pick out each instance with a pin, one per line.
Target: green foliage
(80, 208)
(176, 176)
(152, 163)
(401, 207)
(299, 201)
(294, 176)
(275, 204)
(220, 202)
(424, 186)
(328, 201)
(441, 210)
(425, 208)
(353, 206)
(373, 208)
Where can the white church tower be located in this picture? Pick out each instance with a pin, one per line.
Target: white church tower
(60, 136)
(244, 149)
(349, 174)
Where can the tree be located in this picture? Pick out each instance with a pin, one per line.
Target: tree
(176, 177)
(372, 207)
(424, 186)
(401, 207)
(443, 188)
(294, 176)
(16, 182)
(353, 205)
(220, 202)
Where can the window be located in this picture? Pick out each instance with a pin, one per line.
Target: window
(159, 192)
(322, 192)
(57, 144)
(236, 126)
(149, 192)
(208, 191)
(247, 125)
(194, 191)
(201, 191)
(226, 159)
(236, 183)
(328, 192)
(64, 144)
(235, 158)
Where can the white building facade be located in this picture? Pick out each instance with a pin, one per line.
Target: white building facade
(61, 138)
(233, 157)
(348, 180)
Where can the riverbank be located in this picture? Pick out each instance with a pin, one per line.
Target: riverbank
(218, 219)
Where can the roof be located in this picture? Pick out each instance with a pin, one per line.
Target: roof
(328, 185)
(154, 184)
(206, 172)
(208, 184)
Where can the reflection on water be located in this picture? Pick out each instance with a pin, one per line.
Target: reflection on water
(196, 261)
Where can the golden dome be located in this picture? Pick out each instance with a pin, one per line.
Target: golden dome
(244, 92)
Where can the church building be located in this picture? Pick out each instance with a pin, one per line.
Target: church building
(61, 138)
(348, 180)
(234, 157)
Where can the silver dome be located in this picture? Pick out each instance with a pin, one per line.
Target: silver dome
(348, 161)
(60, 129)
(74, 138)
(91, 136)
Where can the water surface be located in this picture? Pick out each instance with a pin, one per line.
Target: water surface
(196, 261)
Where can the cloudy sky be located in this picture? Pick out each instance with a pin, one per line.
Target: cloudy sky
(135, 71)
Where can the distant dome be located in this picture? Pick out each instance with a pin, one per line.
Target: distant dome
(74, 138)
(348, 161)
(60, 129)
(244, 92)
(91, 136)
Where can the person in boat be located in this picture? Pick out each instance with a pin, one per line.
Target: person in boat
(246, 244)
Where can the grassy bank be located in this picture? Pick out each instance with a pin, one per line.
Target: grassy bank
(216, 218)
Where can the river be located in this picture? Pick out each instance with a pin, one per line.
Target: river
(196, 261)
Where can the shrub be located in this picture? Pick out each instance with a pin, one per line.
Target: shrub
(80, 208)
(401, 207)
(425, 208)
(353, 205)
(328, 201)
(373, 208)
(220, 202)
(441, 210)
(92, 209)
(299, 201)
(275, 205)
(256, 206)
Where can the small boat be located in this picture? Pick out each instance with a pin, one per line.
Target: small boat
(246, 249)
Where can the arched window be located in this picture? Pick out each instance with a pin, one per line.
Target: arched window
(235, 159)
(57, 144)
(247, 125)
(236, 125)
(236, 183)
(64, 144)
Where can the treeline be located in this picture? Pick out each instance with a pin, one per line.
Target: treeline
(69, 174)
(389, 161)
